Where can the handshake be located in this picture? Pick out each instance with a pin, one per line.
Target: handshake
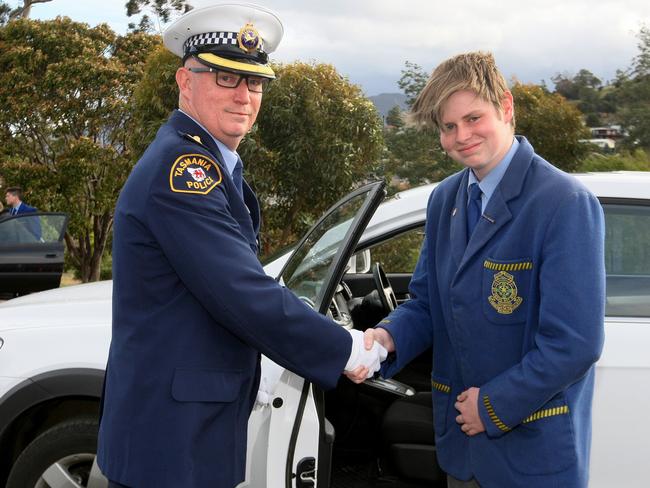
(367, 353)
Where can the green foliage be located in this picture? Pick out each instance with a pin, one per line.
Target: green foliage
(317, 137)
(5, 10)
(400, 254)
(7, 13)
(551, 124)
(641, 63)
(415, 155)
(570, 87)
(161, 9)
(634, 111)
(413, 80)
(624, 101)
(586, 89)
(154, 98)
(638, 160)
(394, 117)
(633, 95)
(65, 121)
(593, 120)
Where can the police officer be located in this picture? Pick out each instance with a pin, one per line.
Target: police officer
(510, 291)
(192, 306)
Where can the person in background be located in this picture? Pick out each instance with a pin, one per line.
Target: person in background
(13, 197)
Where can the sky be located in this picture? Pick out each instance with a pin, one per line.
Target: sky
(370, 40)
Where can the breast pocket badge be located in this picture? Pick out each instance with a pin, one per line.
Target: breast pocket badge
(504, 296)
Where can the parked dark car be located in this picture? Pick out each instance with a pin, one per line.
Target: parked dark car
(31, 252)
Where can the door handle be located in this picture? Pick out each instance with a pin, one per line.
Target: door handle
(50, 255)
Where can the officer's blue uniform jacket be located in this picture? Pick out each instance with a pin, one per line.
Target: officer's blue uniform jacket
(192, 310)
(518, 312)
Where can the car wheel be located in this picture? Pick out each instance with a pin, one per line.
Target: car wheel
(61, 457)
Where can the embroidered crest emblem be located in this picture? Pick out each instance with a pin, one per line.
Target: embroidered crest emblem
(194, 173)
(248, 38)
(504, 297)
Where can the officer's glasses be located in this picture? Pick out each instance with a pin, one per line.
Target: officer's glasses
(256, 84)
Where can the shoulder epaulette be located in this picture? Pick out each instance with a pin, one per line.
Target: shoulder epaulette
(195, 139)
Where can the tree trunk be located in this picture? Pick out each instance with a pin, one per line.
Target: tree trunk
(286, 232)
(24, 11)
(102, 225)
(87, 253)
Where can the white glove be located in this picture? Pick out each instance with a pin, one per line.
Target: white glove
(359, 356)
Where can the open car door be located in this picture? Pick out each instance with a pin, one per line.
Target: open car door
(31, 252)
(289, 442)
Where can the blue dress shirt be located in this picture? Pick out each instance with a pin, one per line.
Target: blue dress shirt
(493, 178)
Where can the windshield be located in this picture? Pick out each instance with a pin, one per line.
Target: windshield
(308, 268)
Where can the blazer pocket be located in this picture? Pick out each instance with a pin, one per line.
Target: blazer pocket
(543, 443)
(206, 385)
(441, 392)
(506, 285)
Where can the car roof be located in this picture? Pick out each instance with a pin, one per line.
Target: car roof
(408, 208)
(617, 184)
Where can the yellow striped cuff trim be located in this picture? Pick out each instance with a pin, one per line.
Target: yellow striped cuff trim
(524, 265)
(493, 416)
(441, 387)
(547, 412)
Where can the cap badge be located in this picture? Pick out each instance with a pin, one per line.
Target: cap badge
(248, 38)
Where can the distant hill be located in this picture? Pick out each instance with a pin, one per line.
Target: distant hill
(385, 101)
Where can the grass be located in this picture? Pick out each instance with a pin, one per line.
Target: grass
(68, 279)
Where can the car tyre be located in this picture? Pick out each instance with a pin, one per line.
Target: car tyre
(61, 456)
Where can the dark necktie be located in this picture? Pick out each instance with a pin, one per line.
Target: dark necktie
(14, 211)
(473, 208)
(237, 177)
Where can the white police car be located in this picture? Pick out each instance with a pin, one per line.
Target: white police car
(54, 344)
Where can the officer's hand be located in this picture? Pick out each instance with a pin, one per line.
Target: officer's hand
(469, 418)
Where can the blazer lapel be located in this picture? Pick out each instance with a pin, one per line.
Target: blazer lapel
(497, 213)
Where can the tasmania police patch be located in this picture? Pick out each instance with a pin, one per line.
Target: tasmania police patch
(194, 173)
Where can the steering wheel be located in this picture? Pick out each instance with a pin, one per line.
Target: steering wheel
(386, 293)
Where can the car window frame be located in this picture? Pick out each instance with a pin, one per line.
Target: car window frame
(639, 202)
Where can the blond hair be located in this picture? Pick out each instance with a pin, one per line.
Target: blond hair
(475, 71)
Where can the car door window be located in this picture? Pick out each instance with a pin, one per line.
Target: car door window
(627, 259)
(316, 266)
(399, 254)
(32, 228)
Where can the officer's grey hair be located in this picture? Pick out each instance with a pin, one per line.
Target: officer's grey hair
(475, 71)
